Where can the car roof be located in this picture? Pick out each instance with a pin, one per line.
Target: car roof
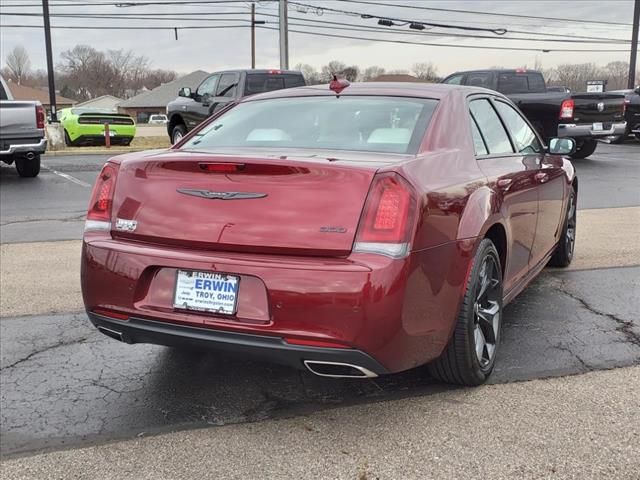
(272, 71)
(393, 89)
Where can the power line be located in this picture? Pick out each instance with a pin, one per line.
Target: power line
(127, 4)
(475, 12)
(100, 27)
(407, 42)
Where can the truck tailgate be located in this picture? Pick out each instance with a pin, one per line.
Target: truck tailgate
(18, 120)
(604, 108)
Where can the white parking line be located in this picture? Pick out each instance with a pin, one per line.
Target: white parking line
(75, 180)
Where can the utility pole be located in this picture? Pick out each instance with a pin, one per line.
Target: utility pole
(634, 46)
(254, 22)
(284, 35)
(47, 41)
(253, 35)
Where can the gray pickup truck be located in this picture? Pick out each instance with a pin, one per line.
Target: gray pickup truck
(22, 136)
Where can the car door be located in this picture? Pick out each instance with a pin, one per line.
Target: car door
(511, 175)
(549, 177)
(225, 91)
(198, 110)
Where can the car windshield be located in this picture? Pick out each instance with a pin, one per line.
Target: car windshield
(365, 123)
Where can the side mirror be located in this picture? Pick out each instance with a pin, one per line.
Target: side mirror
(184, 92)
(562, 146)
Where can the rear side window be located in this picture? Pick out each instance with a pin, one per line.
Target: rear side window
(478, 142)
(491, 127)
(513, 83)
(536, 83)
(523, 135)
(227, 85)
(267, 82)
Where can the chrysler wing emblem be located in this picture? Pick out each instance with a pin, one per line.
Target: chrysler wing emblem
(601, 106)
(195, 192)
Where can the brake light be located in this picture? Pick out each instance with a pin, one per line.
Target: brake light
(39, 116)
(99, 215)
(221, 167)
(566, 109)
(274, 72)
(388, 218)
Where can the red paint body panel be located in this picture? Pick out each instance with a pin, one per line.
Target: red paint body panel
(297, 282)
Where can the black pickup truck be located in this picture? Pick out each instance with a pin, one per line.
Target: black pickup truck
(585, 117)
(631, 114)
(220, 89)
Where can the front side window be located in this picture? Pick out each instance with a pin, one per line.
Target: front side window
(366, 123)
(455, 80)
(208, 86)
(489, 123)
(522, 134)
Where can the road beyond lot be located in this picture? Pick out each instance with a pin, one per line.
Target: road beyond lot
(64, 385)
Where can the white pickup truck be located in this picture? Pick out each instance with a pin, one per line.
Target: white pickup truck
(22, 136)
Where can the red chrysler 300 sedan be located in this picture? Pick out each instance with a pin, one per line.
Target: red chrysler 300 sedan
(352, 234)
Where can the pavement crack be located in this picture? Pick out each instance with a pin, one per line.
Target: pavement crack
(43, 350)
(624, 326)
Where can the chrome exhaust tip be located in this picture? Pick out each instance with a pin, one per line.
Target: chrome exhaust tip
(111, 333)
(338, 369)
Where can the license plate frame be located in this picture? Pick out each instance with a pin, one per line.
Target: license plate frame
(186, 299)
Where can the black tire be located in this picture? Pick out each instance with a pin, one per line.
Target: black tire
(28, 168)
(177, 133)
(466, 360)
(67, 139)
(586, 148)
(564, 251)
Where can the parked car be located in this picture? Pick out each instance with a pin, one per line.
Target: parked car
(585, 117)
(22, 135)
(352, 234)
(220, 89)
(87, 126)
(158, 119)
(631, 114)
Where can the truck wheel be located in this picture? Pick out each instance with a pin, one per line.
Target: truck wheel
(586, 149)
(178, 132)
(28, 168)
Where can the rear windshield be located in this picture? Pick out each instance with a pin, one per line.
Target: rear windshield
(375, 124)
(267, 82)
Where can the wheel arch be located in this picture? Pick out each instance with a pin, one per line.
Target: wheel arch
(175, 119)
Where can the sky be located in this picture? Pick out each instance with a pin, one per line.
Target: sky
(216, 49)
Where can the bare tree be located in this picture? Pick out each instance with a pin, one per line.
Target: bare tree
(19, 64)
(616, 74)
(575, 75)
(425, 71)
(310, 74)
(351, 73)
(329, 70)
(370, 73)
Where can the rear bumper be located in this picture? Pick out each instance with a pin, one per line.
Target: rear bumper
(399, 312)
(259, 347)
(100, 140)
(586, 130)
(35, 146)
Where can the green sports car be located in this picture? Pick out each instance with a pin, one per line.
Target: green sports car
(87, 126)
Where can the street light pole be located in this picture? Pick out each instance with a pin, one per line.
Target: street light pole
(634, 45)
(47, 40)
(253, 35)
(284, 35)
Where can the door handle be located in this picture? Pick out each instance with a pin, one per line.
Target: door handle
(541, 177)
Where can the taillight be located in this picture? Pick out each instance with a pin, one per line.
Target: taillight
(388, 218)
(99, 214)
(566, 109)
(39, 116)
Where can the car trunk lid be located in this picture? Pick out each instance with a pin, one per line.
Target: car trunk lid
(266, 204)
(604, 108)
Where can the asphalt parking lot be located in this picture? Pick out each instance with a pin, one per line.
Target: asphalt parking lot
(62, 384)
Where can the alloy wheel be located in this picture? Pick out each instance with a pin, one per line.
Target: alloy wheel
(486, 312)
(570, 236)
